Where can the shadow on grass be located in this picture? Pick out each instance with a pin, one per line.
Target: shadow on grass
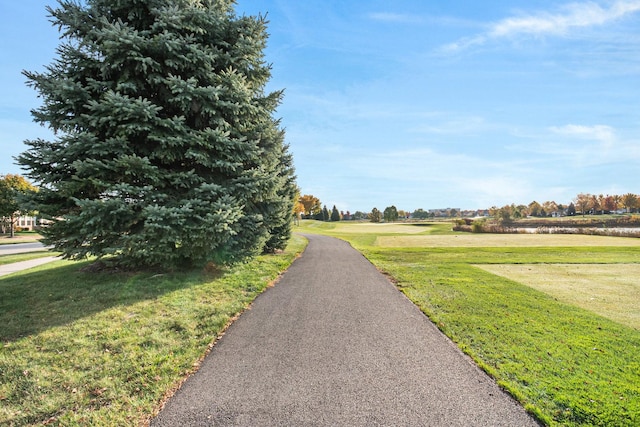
(60, 293)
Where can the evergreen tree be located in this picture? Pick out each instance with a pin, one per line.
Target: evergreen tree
(325, 214)
(166, 151)
(335, 215)
(280, 211)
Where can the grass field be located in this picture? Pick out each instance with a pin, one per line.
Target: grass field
(501, 240)
(105, 348)
(611, 290)
(567, 364)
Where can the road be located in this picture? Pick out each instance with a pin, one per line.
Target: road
(19, 248)
(335, 343)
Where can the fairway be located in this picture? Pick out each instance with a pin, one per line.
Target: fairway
(553, 318)
(369, 227)
(502, 240)
(610, 290)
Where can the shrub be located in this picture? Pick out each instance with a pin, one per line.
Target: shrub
(478, 226)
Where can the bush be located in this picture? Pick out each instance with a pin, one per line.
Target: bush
(478, 226)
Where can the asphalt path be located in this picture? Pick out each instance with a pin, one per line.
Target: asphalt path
(335, 343)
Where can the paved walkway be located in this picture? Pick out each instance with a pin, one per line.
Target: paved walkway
(335, 344)
(24, 265)
(19, 248)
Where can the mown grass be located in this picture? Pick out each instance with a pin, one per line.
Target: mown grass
(568, 366)
(502, 240)
(10, 259)
(611, 290)
(104, 348)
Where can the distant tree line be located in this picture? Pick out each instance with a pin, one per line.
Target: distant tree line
(310, 207)
(582, 204)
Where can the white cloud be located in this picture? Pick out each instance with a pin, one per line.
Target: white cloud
(602, 133)
(566, 19)
(575, 15)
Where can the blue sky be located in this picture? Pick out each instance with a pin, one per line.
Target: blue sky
(422, 104)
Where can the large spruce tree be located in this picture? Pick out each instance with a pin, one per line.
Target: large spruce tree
(166, 150)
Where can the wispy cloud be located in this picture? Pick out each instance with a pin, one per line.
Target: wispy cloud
(463, 179)
(569, 17)
(580, 146)
(602, 133)
(402, 18)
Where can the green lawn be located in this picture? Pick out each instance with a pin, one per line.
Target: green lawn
(105, 348)
(10, 259)
(611, 290)
(567, 365)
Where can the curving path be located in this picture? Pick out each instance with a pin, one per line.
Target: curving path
(334, 343)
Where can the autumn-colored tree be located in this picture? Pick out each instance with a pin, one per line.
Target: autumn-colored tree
(298, 209)
(12, 189)
(630, 201)
(550, 207)
(583, 202)
(535, 209)
(601, 199)
(311, 205)
(594, 203)
(618, 199)
(505, 213)
(609, 204)
(375, 215)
